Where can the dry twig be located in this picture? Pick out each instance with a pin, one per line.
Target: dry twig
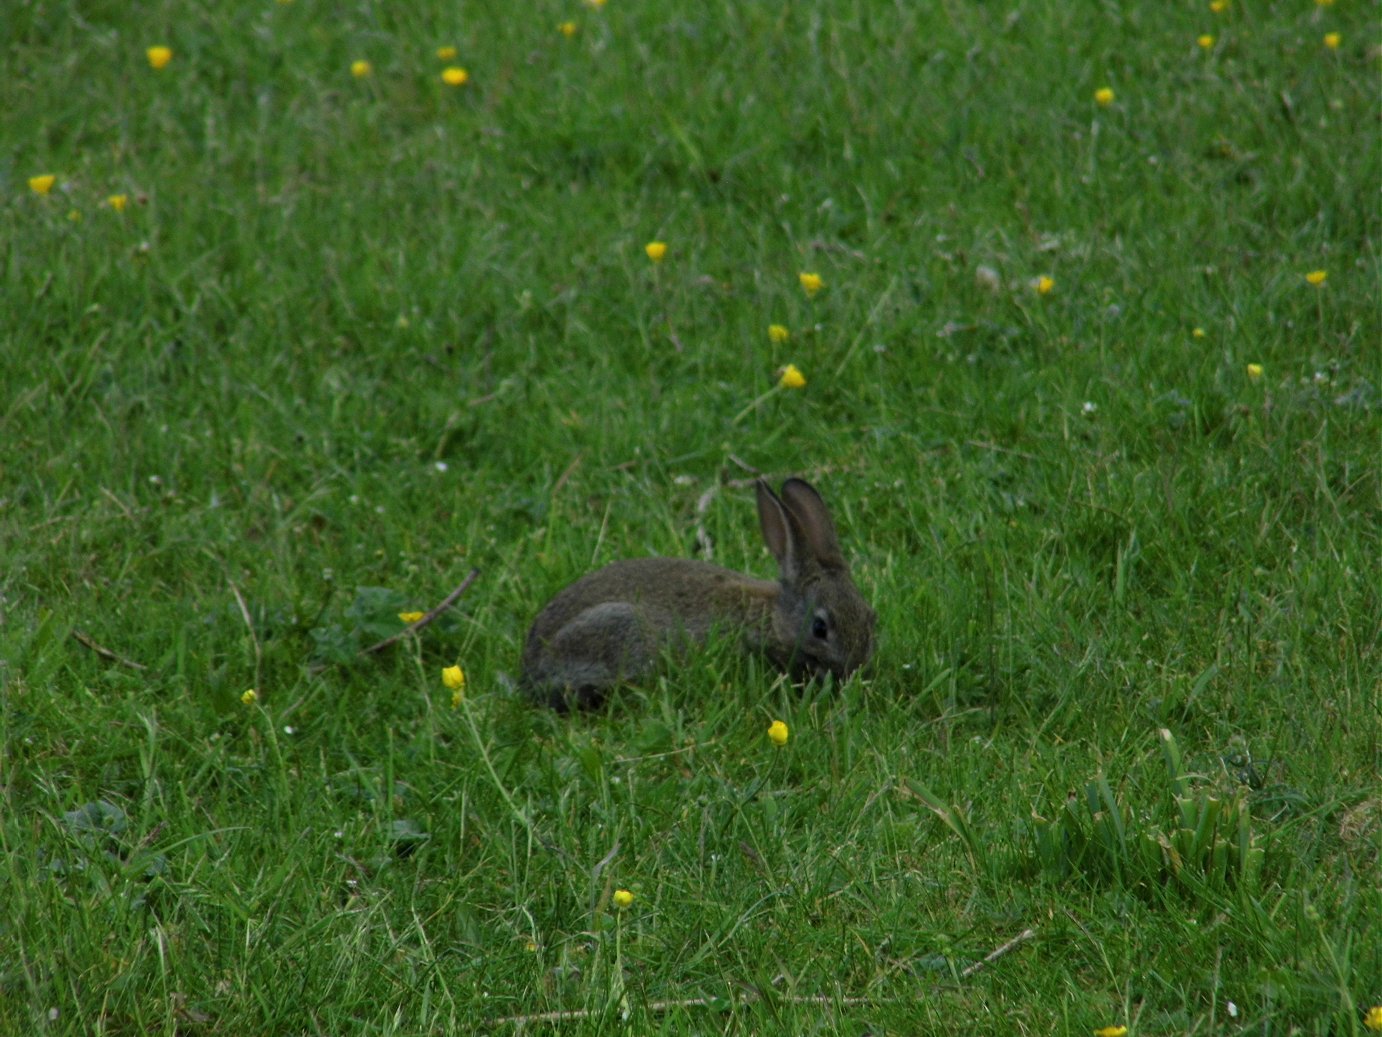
(249, 625)
(655, 1007)
(573, 1014)
(105, 653)
(705, 547)
(994, 955)
(413, 628)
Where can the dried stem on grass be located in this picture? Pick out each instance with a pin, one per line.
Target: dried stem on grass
(413, 628)
(574, 1015)
(105, 653)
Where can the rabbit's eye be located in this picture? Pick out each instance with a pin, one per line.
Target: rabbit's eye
(820, 629)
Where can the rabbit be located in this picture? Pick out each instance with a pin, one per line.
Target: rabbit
(612, 625)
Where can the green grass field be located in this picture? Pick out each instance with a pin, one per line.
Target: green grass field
(285, 351)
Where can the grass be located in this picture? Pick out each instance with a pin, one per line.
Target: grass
(350, 337)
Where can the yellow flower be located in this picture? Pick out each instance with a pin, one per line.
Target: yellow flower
(250, 697)
(1206, 41)
(656, 250)
(1218, 6)
(1110, 1031)
(42, 184)
(811, 284)
(159, 57)
(622, 898)
(1314, 277)
(411, 617)
(118, 202)
(778, 333)
(1373, 1020)
(567, 29)
(1103, 96)
(597, 4)
(1254, 372)
(75, 215)
(454, 678)
(1044, 284)
(777, 733)
(1332, 40)
(446, 53)
(1197, 333)
(792, 378)
(361, 69)
(455, 76)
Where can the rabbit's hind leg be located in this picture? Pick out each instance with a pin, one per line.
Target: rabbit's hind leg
(606, 644)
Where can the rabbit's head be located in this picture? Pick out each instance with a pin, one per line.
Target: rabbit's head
(821, 624)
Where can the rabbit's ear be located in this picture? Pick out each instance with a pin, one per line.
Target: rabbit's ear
(811, 525)
(773, 521)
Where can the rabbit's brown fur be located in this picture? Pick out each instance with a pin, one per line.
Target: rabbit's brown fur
(613, 624)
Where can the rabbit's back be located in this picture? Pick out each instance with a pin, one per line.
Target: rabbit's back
(697, 594)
